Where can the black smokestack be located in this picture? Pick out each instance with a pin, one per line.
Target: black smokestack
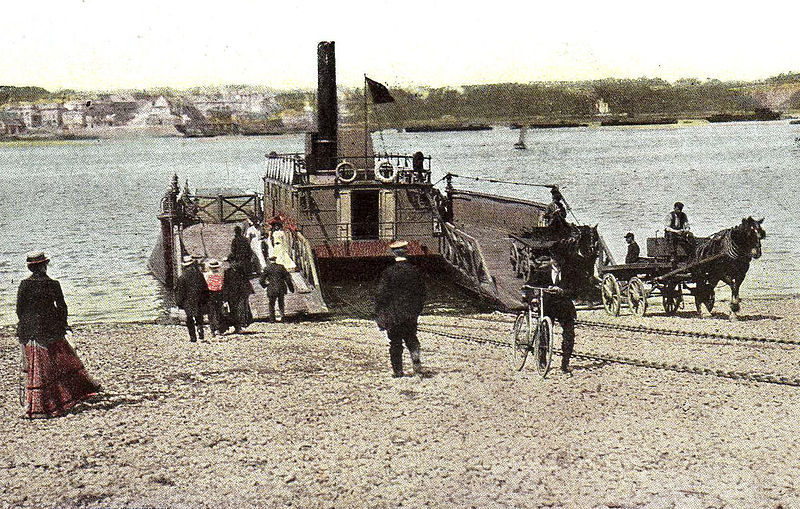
(327, 111)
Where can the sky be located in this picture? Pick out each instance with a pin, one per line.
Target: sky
(110, 44)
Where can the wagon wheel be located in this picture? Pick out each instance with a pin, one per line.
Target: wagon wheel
(637, 296)
(520, 342)
(543, 346)
(612, 297)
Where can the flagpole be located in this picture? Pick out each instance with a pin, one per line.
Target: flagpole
(366, 123)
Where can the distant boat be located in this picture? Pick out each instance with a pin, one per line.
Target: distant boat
(443, 128)
(763, 114)
(520, 145)
(795, 121)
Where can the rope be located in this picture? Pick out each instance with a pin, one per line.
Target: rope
(498, 181)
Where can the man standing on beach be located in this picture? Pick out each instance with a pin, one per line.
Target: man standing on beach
(398, 304)
(191, 295)
(277, 280)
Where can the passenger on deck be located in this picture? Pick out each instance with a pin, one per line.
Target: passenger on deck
(418, 164)
(236, 290)
(678, 234)
(278, 247)
(558, 205)
(253, 235)
(215, 280)
(277, 280)
(240, 249)
(191, 295)
(632, 256)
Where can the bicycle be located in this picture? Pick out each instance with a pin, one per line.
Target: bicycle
(533, 332)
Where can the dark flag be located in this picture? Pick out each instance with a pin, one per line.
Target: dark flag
(379, 93)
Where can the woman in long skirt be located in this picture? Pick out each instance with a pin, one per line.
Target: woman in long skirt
(55, 377)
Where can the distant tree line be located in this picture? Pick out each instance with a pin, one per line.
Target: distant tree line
(687, 97)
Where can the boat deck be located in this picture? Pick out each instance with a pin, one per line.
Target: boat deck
(490, 219)
(213, 240)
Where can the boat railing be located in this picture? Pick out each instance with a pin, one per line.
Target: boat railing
(464, 252)
(371, 231)
(292, 169)
(303, 256)
(226, 208)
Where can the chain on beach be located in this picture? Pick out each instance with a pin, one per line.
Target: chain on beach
(455, 332)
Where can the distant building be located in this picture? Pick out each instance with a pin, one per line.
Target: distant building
(74, 114)
(52, 115)
(10, 124)
(28, 113)
(602, 107)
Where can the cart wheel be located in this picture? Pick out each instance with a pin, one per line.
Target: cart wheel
(637, 296)
(543, 346)
(612, 297)
(670, 304)
(520, 342)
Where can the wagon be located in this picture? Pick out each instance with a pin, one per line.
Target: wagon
(657, 275)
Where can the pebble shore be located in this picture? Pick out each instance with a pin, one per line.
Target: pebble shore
(306, 414)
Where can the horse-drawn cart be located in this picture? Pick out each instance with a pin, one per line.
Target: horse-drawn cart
(660, 274)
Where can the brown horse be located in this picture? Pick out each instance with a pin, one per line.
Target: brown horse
(733, 249)
(576, 253)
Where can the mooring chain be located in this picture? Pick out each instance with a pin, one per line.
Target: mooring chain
(677, 332)
(733, 375)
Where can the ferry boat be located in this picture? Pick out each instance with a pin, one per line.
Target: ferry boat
(342, 204)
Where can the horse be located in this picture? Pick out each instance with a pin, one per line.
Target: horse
(731, 251)
(576, 253)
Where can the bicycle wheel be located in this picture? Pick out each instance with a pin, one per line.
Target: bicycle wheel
(543, 346)
(520, 342)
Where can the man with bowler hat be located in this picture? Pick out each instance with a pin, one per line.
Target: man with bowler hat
(398, 304)
(191, 295)
(277, 280)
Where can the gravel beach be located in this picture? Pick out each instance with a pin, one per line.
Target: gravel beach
(307, 415)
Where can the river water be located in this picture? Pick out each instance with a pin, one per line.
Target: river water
(92, 205)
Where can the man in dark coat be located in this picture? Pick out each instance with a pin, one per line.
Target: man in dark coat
(236, 291)
(277, 280)
(563, 284)
(632, 256)
(240, 250)
(191, 295)
(398, 304)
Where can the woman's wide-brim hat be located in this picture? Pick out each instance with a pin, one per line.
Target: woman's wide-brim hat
(214, 264)
(398, 244)
(36, 257)
(187, 260)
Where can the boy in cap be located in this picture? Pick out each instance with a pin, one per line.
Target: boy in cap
(632, 256)
(398, 303)
(191, 295)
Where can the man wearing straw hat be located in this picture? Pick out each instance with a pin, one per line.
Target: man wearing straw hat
(398, 304)
(191, 295)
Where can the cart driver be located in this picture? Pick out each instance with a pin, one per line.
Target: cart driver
(559, 307)
(677, 232)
